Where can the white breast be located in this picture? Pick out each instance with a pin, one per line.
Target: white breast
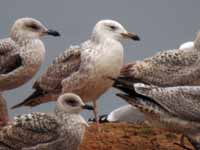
(106, 61)
(110, 59)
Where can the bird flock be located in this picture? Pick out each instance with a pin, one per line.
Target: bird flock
(164, 87)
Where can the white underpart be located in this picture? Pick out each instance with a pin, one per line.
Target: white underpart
(126, 113)
(186, 45)
(106, 63)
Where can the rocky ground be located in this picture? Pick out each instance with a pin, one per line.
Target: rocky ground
(124, 136)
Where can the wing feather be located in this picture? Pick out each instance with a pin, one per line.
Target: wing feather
(50, 83)
(62, 67)
(167, 68)
(10, 58)
(29, 130)
(180, 101)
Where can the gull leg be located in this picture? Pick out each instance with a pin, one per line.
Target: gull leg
(3, 112)
(95, 111)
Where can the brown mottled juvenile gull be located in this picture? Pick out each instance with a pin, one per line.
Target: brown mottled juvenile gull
(168, 68)
(84, 69)
(21, 54)
(63, 130)
(174, 108)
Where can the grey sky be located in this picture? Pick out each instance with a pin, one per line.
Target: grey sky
(160, 24)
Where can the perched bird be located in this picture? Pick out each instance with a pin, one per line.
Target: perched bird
(39, 131)
(174, 108)
(126, 113)
(22, 54)
(83, 69)
(167, 68)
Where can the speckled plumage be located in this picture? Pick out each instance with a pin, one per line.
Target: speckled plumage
(181, 102)
(21, 55)
(62, 67)
(20, 59)
(174, 108)
(20, 65)
(83, 68)
(62, 130)
(168, 68)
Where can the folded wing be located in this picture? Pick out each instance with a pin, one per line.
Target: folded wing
(29, 130)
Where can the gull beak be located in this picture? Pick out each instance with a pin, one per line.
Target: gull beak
(132, 36)
(88, 107)
(52, 32)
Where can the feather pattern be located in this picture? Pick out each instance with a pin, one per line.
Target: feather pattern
(63, 129)
(167, 68)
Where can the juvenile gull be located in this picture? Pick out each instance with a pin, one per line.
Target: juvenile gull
(84, 69)
(21, 55)
(126, 113)
(174, 108)
(63, 130)
(168, 68)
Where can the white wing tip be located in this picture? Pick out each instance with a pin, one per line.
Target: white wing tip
(138, 85)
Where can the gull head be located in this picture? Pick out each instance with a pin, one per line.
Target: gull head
(29, 28)
(114, 30)
(72, 103)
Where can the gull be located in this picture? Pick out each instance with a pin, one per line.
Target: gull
(64, 129)
(83, 69)
(21, 56)
(126, 113)
(168, 68)
(174, 108)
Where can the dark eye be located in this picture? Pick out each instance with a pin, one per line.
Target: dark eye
(113, 27)
(33, 26)
(71, 102)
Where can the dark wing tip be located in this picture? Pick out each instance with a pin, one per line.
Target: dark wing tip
(17, 105)
(29, 101)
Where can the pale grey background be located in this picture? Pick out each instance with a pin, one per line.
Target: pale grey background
(161, 24)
